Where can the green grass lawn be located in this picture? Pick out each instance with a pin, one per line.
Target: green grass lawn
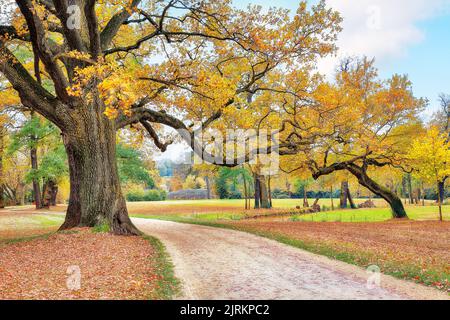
(374, 215)
(218, 204)
(216, 210)
(21, 226)
(19, 221)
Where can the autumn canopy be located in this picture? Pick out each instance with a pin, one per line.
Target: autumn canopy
(102, 66)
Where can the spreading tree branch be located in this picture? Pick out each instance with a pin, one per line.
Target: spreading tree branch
(32, 95)
(160, 145)
(114, 24)
(38, 38)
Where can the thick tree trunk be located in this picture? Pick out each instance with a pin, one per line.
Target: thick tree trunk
(305, 198)
(54, 194)
(441, 191)
(95, 194)
(249, 191)
(10, 194)
(269, 191)
(409, 181)
(350, 198)
(440, 200)
(394, 201)
(331, 198)
(208, 187)
(36, 187)
(419, 195)
(2, 182)
(46, 195)
(49, 193)
(288, 188)
(21, 191)
(245, 192)
(404, 188)
(344, 195)
(261, 193)
(423, 194)
(264, 193)
(257, 192)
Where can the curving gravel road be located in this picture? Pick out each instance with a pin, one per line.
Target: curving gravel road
(218, 264)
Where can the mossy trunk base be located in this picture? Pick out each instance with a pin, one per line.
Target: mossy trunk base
(95, 194)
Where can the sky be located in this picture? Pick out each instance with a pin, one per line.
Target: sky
(404, 36)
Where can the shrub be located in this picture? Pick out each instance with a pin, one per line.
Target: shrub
(235, 195)
(152, 195)
(221, 185)
(149, 195)
(163, 195)
(280, 194)
(135, 195)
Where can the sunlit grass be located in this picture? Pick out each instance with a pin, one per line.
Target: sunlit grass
(29, 221)
(193, 206)
(374, 215)
(216, 210)
(19, 225)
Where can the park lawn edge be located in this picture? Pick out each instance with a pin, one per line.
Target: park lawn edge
(26, 238)
(35, 237)
(409, 272)
(168, 285)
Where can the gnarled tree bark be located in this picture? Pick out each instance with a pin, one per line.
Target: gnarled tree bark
(441, 190)
(262, 200)
(95, 194)
(49, 192)
(89, 136)
(257, 191)
(360, 172)
(2, 182)
(394, 201)
(343, 199)
(36, 186)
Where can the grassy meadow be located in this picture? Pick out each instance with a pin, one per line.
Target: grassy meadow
(211, 210)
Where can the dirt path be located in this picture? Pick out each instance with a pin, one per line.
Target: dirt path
(225, 264)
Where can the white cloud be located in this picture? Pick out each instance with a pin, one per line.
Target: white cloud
(380, 28)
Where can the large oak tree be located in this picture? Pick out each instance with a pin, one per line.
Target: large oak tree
(357, 123)
(101, 66)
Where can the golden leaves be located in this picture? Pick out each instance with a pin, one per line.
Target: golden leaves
(115, 85)
(117, 92)
(417, 251)
(20, 25)
(77, 55)
(9, 97)
(366, 112)
(111, 267)
(430, 155)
